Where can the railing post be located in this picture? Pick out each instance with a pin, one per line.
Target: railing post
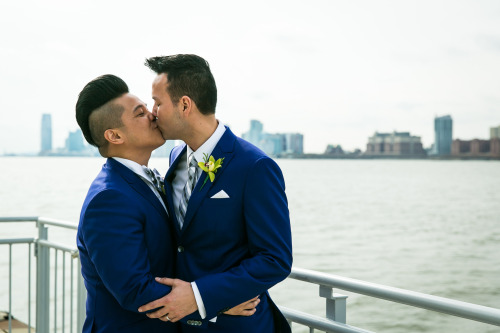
(336, 308)
(42, 281)
(81, 299)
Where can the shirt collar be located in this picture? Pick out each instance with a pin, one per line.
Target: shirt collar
(207, 148)
(134, 166)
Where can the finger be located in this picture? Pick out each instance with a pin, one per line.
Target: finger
(251, 300)
(174, 320)
(157, 314)
(165, 281)
(252, 304)
(248, 313)
(151, 305)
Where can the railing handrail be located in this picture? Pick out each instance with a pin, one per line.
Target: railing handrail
(19, 219)
(40, 220)
(430, 302)
(5, 241)
(326, 282)
(71, 250)
(319, 323)
(57, 223)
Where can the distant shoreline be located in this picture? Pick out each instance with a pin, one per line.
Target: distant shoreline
(317, 157)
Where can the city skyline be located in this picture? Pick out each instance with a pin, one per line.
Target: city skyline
(335, 71)
(280, 144)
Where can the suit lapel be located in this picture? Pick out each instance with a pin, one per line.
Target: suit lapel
(223, 149)
(137, 184)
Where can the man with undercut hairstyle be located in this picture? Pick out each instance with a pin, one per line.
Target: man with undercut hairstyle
(123, 215)
(125, 234)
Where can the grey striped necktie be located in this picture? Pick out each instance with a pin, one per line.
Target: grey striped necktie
(188, 189)
(155, 178)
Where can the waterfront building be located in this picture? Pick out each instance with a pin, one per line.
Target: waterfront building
(443, 130)
(476, 148)
(396, 144)
(334, 150)
(74, 142)
(46, 146)
(274, 144)
(495, 132)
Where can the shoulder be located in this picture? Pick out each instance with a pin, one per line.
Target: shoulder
(109, 189)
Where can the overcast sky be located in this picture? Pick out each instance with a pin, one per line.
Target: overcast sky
(336, 71)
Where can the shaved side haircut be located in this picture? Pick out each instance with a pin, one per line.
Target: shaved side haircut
(96, 111)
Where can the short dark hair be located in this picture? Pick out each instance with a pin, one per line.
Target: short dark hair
(96, 94)
(188, 75)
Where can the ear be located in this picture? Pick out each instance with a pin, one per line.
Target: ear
(187, 105)
(114, 136)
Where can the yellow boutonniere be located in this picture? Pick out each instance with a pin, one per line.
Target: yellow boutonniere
(210, 166)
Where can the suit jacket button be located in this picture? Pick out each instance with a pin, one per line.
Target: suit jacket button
(180, 249)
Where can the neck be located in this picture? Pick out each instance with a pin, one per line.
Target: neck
(201, 130)
(141, 157)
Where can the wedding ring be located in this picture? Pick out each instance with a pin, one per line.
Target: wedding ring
(166, 317)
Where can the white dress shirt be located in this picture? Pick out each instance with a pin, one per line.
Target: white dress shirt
(180, 180)
(138, 170)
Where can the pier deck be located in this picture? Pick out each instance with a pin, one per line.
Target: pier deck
(17, 326)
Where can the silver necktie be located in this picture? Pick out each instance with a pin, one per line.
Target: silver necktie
(188, 189)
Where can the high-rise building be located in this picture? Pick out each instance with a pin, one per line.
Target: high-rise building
(272, 144)
(495, 132)
(443, 129)
(46, 134)
(294, 143)
(254, 135)
(74, 142)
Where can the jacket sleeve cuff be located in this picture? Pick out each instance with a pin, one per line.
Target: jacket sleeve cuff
(199, 303)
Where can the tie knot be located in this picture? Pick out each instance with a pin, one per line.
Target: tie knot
(148, 171)
(154, 177)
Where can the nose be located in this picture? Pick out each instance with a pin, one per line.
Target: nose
(155, 111)
(151, 116)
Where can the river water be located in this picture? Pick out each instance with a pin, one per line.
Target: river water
(427, 226)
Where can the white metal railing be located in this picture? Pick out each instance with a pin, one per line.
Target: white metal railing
(47, 298)
(336, 304)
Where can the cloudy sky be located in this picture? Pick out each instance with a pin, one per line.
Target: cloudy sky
(336, 71)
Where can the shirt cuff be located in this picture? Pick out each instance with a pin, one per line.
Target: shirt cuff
(199, 302)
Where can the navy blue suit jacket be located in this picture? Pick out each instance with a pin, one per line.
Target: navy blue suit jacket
(124, 240)
(239, 247)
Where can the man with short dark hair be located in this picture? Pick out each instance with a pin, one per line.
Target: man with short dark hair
(229, 207)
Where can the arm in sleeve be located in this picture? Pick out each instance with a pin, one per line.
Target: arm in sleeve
(114, 237)
(267, 224)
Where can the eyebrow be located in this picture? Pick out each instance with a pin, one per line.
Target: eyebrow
(138, 107)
